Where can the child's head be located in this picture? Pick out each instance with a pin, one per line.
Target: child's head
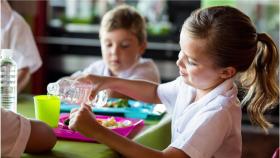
(229, 40)
(123, 38)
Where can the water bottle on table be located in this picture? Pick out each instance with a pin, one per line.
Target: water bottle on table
(8, 86)
(75, 92)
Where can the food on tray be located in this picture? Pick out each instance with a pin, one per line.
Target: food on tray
(109, 122)
(117, 103)
(112, 123)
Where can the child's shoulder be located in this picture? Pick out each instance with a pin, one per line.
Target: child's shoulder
(96, 67)
(97, 64)
(145, 69)
(147, 62)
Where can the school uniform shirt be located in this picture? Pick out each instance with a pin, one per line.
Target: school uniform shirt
(208, 127)
(145, 69)
(16, 34)
(15, 132)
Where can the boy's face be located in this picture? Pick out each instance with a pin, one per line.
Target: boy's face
(196, 65)
(120, 50)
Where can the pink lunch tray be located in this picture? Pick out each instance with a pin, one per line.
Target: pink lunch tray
(63, 132)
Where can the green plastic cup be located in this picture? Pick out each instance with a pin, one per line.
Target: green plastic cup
(47, 109)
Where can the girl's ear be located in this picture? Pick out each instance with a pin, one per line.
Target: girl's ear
(228, 72)
(143, 47)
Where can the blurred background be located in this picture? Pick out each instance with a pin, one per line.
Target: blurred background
(66, 32)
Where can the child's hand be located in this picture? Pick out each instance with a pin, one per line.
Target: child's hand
(95, 81)
(83, 120)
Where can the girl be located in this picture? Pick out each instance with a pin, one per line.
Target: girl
(216, 44)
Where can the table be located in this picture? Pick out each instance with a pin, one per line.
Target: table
(156, 134)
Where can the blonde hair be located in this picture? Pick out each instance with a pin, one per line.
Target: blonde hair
(124, 17)
(233, 41)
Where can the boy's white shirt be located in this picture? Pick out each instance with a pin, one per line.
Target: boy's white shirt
(209, 127)
(145, 69)
(16, 34)
(15, 132)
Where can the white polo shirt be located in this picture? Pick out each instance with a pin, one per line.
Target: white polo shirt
(145, 69)
(209, 127)
(15, 132)
(16, 34)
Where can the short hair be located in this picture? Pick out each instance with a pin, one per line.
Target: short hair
(124, 17)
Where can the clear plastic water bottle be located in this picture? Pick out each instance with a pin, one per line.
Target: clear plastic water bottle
(72, 91)
(8, 90)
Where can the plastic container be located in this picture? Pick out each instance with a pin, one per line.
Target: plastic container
(63, 132)
(8, 86)
(134, 109)
(72, 91)
(47, 109)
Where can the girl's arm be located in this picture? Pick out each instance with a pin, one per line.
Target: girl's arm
(83, 120)
(136, 89)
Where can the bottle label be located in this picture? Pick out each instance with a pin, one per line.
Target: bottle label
(8, 86)
(8, 97)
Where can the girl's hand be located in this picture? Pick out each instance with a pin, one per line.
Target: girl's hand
(83, 120)
(95, 81)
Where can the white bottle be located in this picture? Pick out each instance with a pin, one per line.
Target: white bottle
(72, 91)
(8, 81)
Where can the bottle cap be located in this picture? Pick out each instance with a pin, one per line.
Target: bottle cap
(6, 53)
(53, 89)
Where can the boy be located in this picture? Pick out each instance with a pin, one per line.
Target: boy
(123, 40)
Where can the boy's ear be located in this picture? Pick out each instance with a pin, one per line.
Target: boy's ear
(228, 72)
(143, 47)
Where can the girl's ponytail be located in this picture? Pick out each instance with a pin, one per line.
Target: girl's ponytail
(261, 81)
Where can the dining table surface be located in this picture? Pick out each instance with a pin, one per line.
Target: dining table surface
(156, 134)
